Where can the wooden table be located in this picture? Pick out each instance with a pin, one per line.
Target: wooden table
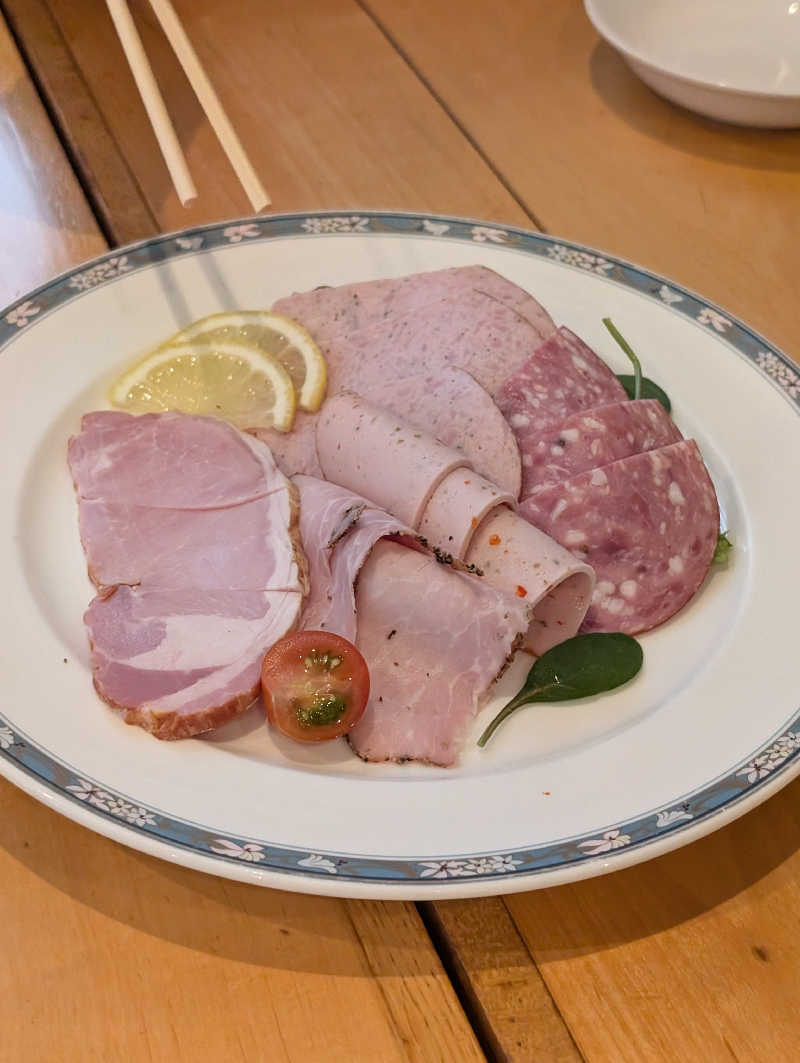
(514, 112)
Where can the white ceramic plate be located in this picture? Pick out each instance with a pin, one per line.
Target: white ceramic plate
(706, 732)
(734, 60)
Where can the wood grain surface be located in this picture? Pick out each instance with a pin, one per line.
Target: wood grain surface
(522, 115)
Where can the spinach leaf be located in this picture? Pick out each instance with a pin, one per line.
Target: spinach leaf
(722, 549)
(636, 386)
(581, 666)
(650, 390)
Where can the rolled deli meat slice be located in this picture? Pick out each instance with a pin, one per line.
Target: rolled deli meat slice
(330, 313)
(434, 641)
(517, 558)
(451, 405)
(456, 509)
(648, 526)
(191, 536)
(591, 439)
(373, 453)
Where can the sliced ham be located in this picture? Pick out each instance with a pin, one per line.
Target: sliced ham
(562, 377)
(329, 516)
(451, 405)
(456, 509)
(375, 454)
(434, 641)
(648, 526)
(331, 313)
(195, 585)
(468, 329)
(591, 439)
(373, 583)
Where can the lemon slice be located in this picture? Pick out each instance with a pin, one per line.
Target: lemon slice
(273, 334)
(237, 382)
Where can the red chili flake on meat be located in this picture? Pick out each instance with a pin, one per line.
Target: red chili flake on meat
(494, 540)
(474, 522)
(522, 592)
(468, 482)
(546, 793)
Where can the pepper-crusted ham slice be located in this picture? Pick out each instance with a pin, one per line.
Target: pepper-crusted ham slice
(648, 526)
(331, 515)
(596, 437)
(434, 641)
(372, 583)
(191, 535)
(563, 376)
(331, 313)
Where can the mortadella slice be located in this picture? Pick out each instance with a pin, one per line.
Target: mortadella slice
(562, 377)
(450, 404)
(434, 641)
(647, 524)
(591, 439)
(331, 313)
(517, 558)
(370, 451)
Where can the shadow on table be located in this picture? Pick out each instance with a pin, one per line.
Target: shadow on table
(752, 854)
(640, 107)
(245, 923)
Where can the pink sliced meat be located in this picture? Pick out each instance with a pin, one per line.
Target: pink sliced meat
(196, 584)
(331, 313)
(562, 377)
(595, 438)
(181, 662)
(469, 330)
(339, 529)
(370, 451)
(456, 509)
(451, 405)
(520, 560)
(434, 641)
(648, 526)
(227, 466)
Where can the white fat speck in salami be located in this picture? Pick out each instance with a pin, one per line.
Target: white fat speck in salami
(592, 440)
(650, 553)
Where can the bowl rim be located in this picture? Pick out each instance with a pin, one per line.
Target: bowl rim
(593, 12)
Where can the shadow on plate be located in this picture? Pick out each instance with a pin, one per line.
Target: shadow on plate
(640, 107)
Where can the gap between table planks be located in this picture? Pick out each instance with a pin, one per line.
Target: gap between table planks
(117, 956)
(691, 956)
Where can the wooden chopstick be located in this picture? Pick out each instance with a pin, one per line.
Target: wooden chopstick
(153, 101)
(210, 102)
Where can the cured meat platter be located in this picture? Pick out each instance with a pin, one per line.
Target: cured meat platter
(564, 790)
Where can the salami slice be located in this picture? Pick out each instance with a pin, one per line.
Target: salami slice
(595, 438)
(647, 525)
(562, 377)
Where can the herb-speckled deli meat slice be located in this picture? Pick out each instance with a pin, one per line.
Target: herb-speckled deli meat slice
(648, 526)
(332, 313)
(190, 532)
(594, 438)
(434, 641)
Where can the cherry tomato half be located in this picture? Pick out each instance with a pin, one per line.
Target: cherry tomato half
(315, 684)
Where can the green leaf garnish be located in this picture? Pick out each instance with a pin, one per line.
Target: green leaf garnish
(578, 668)
(650, 390)
(722, 549)
(636, 386)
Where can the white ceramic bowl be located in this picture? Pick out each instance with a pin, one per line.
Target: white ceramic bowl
(734, 60)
